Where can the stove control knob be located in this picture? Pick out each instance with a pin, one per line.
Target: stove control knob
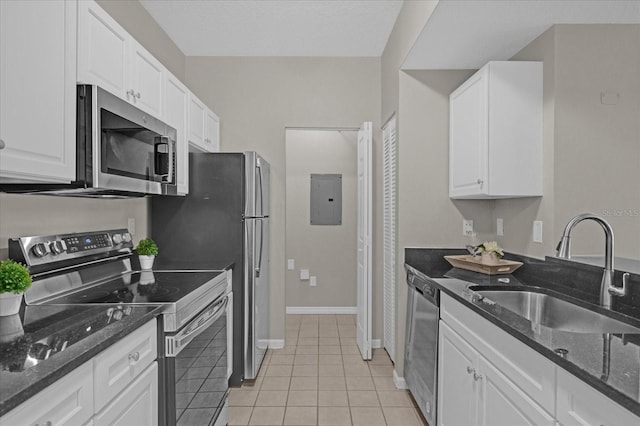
(40, 249)
(117, 238)
(57, 247)
(126, 237)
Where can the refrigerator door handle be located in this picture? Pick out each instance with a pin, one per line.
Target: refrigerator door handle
(259, 168)
(260, 256)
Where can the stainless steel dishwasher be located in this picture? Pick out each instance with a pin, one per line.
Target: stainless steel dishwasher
(421, 356)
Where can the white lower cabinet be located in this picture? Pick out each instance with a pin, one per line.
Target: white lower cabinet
(580, 404)
(137, 405)
(69, 401)
(487, 377)
(120, 384)
(474, 392)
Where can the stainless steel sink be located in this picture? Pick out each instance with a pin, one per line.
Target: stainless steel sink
(552, 312)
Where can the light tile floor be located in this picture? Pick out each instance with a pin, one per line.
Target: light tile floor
(319, 378)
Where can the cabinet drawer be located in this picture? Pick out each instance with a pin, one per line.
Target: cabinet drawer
(580, 404)
(137, 405)
(69, 401)
(118, 366)
(529, 370)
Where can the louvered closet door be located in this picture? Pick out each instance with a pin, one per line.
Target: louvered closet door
(389, 231)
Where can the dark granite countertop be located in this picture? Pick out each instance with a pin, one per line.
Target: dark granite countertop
(619, 379)
(43, 343)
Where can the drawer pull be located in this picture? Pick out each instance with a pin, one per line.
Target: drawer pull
(134, 356)
(470, 369)
(477, 376)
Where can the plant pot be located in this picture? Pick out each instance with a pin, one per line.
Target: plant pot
(10, 304)
(146, 262)
(10, 328)
(489, 258)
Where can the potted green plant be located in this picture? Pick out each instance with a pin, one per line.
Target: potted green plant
(14, 280)
(147, 251)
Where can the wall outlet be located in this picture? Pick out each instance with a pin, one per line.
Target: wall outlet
(304, 274)
(499, 227)
(131, 226)
(537, 231)
(291, 264)
(467, 227)
(313, 282)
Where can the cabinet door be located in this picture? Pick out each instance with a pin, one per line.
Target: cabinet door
(580, 404)
(468, 137)
(69, 401)
(137, 405)
(37, 90)
(104, 50)
(457, 402)
(197, 113)
(212, 131)
(175, 109)
(147, 81)
(118, 365)
(501, 402)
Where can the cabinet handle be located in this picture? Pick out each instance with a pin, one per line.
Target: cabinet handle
(477, 376)
(470, 369)
(134, 356)
(131, 92)
(2, 145)
(480, 182)
(137, 95)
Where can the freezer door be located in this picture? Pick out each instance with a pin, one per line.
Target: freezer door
(256, 295)
(257, 173)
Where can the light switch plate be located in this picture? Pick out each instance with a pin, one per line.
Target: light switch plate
(131, 226)
(291, 264)
(537, 231)
(500, 227)
(304, 274)
(312, 281)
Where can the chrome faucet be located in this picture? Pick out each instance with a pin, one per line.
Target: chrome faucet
(607, 289)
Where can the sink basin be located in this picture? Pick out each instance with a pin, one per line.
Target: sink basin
(552, 312)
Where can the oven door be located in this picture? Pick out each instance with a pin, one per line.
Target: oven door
(196, 361)
(132, 151)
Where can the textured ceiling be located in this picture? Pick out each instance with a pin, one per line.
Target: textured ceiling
(276, 28)
(467, 34)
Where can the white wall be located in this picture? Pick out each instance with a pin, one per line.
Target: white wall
(328, 251)
(257, 98)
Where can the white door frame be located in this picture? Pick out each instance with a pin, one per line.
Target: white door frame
(364, 284)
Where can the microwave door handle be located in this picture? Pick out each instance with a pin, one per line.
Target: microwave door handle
(158, 157)
(171, 159)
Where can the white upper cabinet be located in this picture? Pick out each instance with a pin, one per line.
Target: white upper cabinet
(212, 131)
(109, 57)
(176, 107)
(204, 126)
(37, 91)
(495, 133)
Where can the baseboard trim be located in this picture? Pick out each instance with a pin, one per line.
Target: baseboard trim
(276, 344)
(400, 382)
(322, 310)
(376, 343)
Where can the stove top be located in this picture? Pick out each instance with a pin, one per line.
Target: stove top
(95, 268)
(140, 287)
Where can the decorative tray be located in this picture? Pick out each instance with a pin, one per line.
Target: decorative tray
(470, 263)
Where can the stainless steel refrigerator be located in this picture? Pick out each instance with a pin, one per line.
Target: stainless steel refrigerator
(224, 220)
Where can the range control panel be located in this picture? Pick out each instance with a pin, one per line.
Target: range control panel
(47, 249)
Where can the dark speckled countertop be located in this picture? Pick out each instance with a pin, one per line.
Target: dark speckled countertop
(41, 344)
(619, 379)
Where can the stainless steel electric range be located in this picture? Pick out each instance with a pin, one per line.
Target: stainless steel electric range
(196, 331)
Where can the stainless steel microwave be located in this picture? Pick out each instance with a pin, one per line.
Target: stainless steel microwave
(121, 151)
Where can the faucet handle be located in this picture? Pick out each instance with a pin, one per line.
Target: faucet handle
(620, 291)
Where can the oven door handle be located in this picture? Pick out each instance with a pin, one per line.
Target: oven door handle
(175, 344)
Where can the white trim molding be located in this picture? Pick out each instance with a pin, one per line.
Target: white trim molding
(276, 344)
(400, 382)
(322, 310)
